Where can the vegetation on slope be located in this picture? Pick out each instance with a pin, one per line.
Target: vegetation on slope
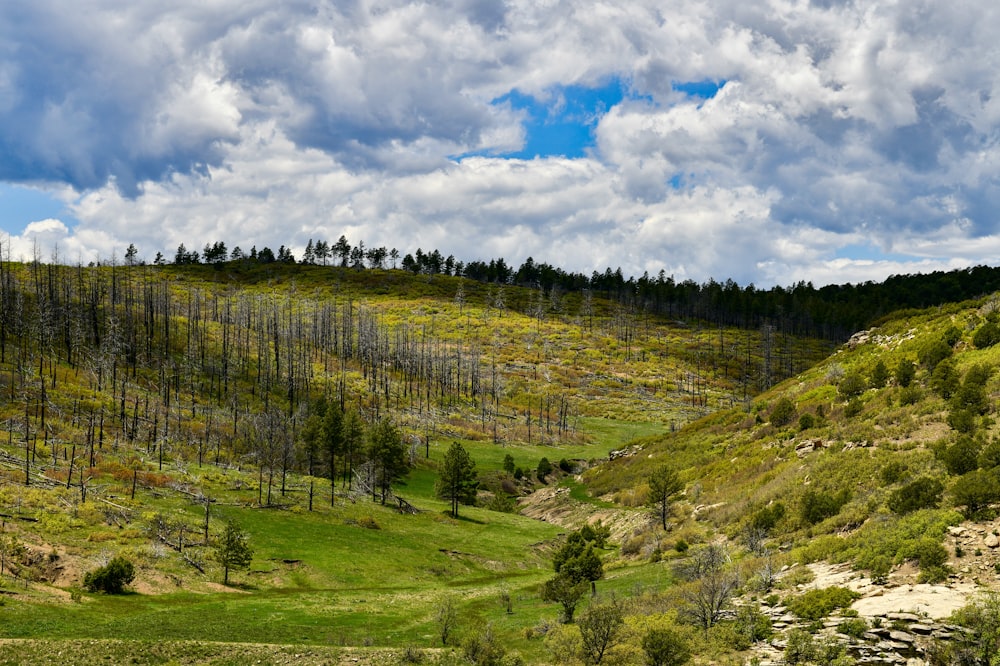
(147, 408)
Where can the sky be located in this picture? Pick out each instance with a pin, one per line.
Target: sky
(770, 142)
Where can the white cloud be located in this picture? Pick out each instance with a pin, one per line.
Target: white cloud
(840, 125)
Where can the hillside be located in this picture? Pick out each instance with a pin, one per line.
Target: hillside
(146, 408)
(881, 459)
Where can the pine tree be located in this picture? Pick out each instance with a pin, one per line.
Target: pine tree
(233, 550)
(458, 481)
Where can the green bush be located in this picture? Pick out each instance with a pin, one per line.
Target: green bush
(945, 379)
(922, 493)
(665, 647)
(986, 335)
(892, 472)
(853, 408)
(483, 647)
(972, 394)
(976, 491)
(910, 395)
(817, 604)
(111, 578)
(880, 375)
(816, 505)
(960, 457)
(851, 386)
(783, 412)
(806, 421)
(962, 420)
(879, 568)
(544, 469)
(933, 353)
(989, 456)
(751, 626)
(801, 647)
(905, 372)
(931, 557)
(855, 627)
(766, 518)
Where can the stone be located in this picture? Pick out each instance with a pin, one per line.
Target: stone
(992, 541)
(901, 637)
(905, 617)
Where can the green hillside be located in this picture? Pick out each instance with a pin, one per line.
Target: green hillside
(145, 408)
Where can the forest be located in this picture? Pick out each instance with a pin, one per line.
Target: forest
(832, 312)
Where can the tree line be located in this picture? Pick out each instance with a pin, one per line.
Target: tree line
(832, 312)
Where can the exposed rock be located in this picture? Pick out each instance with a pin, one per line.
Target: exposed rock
(992, 541)
(903, 617)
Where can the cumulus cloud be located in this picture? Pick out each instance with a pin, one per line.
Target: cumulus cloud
(837, 125)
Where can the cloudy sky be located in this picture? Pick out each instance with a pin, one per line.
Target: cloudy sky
(767, 142)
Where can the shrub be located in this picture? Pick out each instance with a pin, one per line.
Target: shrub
(501, 502)
(817, 604)
(368, 523)
(910, 395)
(972, 394)
(817, 505)
(484, 647)
(800, 647)
(111, 578)
(751, 625)
(855, 627)
(565, 465)
(976, 491)
(806, 421)
(962, 420)
(880, 375)
(986, 335)
(905, 372)
(931, 557)
(632, 546)
(853, 408)
(933, 353)
(922, 493)
(879, 569)
(851, 386)
(665, 647)
(544, 469)
(766, 518)
(892, 472)
(961, 457)
(945, 379)
(783, 412)
(989, 456)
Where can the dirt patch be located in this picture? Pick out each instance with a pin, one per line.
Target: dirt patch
(554, 505)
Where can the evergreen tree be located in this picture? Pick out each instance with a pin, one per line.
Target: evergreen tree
(386, 450)
(458, 481)
(233, 550)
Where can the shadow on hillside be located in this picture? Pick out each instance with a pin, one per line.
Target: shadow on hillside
(462, 519)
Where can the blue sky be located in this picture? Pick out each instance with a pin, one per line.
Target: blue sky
(828, 142)
(20, 205)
